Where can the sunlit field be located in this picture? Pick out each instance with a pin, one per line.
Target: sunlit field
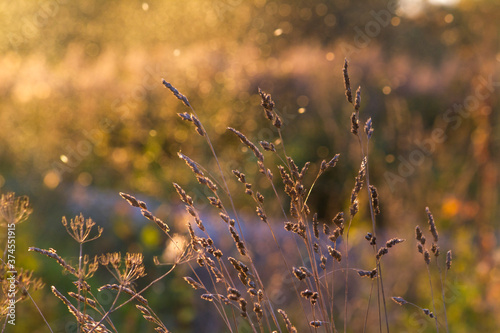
(250, 166)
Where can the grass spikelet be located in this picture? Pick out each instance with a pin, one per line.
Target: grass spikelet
(288, 323)
(51, 253)
(248, 143)
(432, 225)
(347, 83)
(176, 93)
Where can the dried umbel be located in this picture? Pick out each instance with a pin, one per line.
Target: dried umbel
(14, 210)
(124, 274)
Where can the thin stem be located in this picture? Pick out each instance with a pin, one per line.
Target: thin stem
(368, 306)
(442, 292)
(432, 297)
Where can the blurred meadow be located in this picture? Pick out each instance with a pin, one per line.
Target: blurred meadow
(84, 116)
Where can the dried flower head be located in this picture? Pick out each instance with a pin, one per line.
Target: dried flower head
(80, 229)
(133, 270)
(14, 210)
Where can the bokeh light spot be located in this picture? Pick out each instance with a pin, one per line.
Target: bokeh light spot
(64, 158)
(278, 32)
(301, 110)
(450, 207)
(285, 10)
(395, 21)
(84, 179)
(389, 158)
(145, 6)
(51, 179)
(305, 14)
(386, 90)
(321, 9)
(150, 236)
(330, 56)
(303, 100)
(330, 20)
(449, 18)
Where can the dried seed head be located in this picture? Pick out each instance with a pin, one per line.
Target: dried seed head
(182, 194)
(330, 164)
(427, 312)
(268, 146)
(306, 271)
(243, 307)
(315, 223)
(393, 241)
(427, 257)
(418, 233)
(131, 200)
(224, 217)
(338, 220)
(432, 225)
(185, 116)
(176, 93)
(233, 291)
(448, 259)
(369, 128)
(399, 300)
(215, 202)
(268, 104)
(248, 143)
(322, 262)
(191, 164)
(199, 127)
(435, 250)
(207, 297)
(299, 274)
(240, 176)
(354, 123)
(371, 274)
(375, 201)
(14, 210)
(347, 83)
(306, 293)
(261, 214)
(353, 210)
(289, 326)
(357, 102)
(334, 253)
(277, 121)
(382, 251)
(258, 310)
(326, 229)
(193, 283)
